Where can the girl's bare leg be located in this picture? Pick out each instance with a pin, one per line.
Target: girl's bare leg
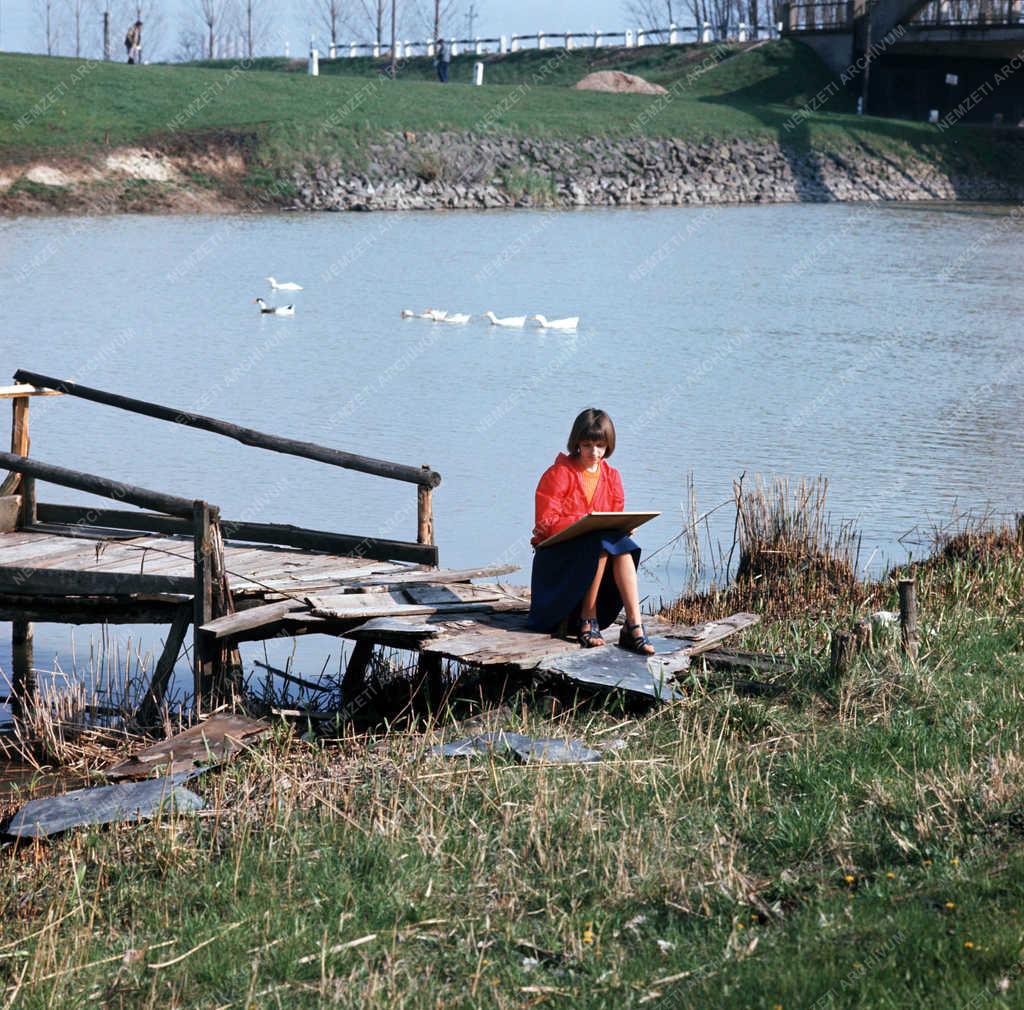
(624, 571)
(588, 607)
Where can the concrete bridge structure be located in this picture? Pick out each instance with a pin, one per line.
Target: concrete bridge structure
(919, 58)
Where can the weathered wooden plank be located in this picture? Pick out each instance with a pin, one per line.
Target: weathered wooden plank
(432, 596)
(122, 519)
(247, 436)
(703, 637)
(19, 445)
(88, 610)
(51, 581)
(442, 576)
(246, 620)
(36, 549)
(355, 605)
(202, 602)
(394, 627)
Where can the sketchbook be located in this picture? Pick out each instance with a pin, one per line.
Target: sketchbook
(600, 521)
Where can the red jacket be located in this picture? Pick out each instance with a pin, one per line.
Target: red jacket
(560, 499)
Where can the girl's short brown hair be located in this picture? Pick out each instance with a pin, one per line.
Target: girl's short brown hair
(592, 425)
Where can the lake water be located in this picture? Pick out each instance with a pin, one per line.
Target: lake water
(880, 347)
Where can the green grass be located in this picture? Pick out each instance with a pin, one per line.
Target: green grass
(54, 106)
(845, 844)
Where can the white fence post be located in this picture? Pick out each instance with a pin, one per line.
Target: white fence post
(430, 48)
(629, 38)
(705, 35)
(641, 37)
(287, 49)
(541, 42)
(332, 51)
(502, 45)
(597, 39)
(515, 44)
(568, 40)
(743, 32)
(376, 49)
(454, 47)
(314, 60)
(673, 35)
(478, 73)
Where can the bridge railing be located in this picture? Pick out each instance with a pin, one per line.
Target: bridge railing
(970, 12)
(817, 17)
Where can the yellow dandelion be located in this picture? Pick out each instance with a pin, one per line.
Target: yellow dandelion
(588, 933)
(739, 925)
(926, 862)
(891, 875)
(754, 918)
(950, 904)
(955, 861)
(968, 945)
(849, 878)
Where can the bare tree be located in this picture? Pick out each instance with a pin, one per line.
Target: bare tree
(329, 16)
(80, 15)
(212, 14)
(191, 46)
(252, 24)
(438, 14)
(46, 14)
(649, 14)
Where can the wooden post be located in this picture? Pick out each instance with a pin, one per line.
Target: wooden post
(27, 515)
(863, 635)
(353, 683)
(202, 603)
(149, 708)
(425, 513)
(842, 651)
(19, 441)
(23, 678)
(429, 674)
(908, 617)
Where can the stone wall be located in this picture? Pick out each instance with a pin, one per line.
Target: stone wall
(409, 172)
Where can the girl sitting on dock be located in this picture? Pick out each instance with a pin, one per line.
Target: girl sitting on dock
(586, 580)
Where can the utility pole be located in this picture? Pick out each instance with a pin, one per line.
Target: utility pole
(471, 15)
(106, 35)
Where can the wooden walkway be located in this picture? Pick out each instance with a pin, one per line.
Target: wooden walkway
(181, 564)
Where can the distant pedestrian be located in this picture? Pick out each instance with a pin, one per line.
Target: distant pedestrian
(133, 43)
(442, 57)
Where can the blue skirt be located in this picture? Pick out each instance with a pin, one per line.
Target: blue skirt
(563, 573)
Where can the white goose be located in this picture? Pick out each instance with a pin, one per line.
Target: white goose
(275, 310)
(507, 321)
(455, 317)
(557, 324)
(286, 286)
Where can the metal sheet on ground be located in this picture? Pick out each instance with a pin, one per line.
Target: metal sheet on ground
(528, 749)
(621, 670)
(104, 805)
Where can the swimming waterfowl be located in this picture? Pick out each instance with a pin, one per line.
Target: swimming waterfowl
(455, 317)
(507, 321)
(286, 286)
(275, 310)
(557, 324)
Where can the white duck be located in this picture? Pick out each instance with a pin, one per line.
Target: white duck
(455, 317)
(507, 321)
(286, 286)
(557, 324)
(275, 310)
(436, 315)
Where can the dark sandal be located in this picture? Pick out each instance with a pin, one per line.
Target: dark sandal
(635, 643)
(589, 634)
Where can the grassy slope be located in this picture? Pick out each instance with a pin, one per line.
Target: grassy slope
(752, 95)
(852, 844)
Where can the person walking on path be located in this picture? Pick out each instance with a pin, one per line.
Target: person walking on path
(133, 43)
(586, 581)
(442, 57)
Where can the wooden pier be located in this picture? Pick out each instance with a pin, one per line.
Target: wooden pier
(177, 561)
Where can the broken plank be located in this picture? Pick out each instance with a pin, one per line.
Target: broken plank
(702, 637)
(246, 620)
(442, 576)
(432, 596)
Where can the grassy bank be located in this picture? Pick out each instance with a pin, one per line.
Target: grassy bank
(843, 843)
(61, 108)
